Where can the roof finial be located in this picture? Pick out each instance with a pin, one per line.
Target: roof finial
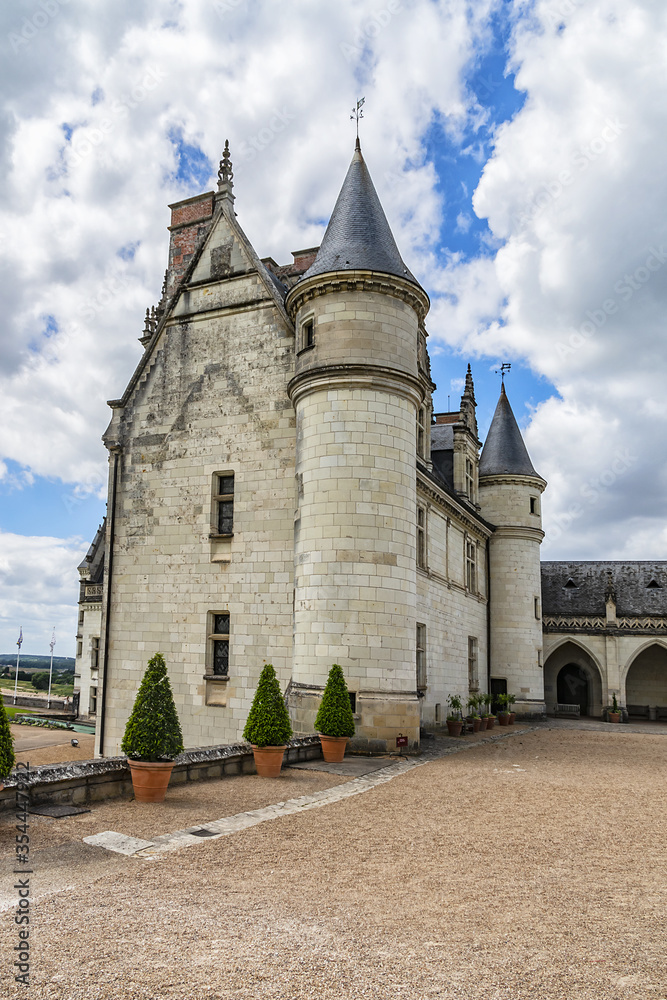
(225, 175)
(357, 113)
(503, 371)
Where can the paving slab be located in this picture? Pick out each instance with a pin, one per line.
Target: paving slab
(353, 767)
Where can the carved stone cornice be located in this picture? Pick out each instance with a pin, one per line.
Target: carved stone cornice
(513, 480)
(629, 624)
(356, 377)
(519, 531)
(357, 281)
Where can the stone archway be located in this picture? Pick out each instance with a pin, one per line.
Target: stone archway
(570, 670)
(646, 680)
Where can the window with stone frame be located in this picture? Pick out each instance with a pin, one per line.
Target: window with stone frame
(473, 668)
(421, 537)
(471, 566)
(81, 614)
(421, 432)
(219, 644)
(306, 336)
(223, 503)
(79, 648)
(94, 652)
(470, 480)
(421, 657)
(92, 709)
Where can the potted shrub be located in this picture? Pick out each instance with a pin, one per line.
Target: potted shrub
(488, 715)
(480, 709)
(268, 728)
(473, 715)
(153, 734)
(455, 715)
(503, 714)
(334, 721)
(511, 698)
(7, 758)
(614, 713)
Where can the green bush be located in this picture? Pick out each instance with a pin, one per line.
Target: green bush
(334, 716)
(268, 723)
(153, 732)
(7, 757)
(40, 680)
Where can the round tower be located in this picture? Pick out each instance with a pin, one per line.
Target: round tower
(510, 493)
(356, 391)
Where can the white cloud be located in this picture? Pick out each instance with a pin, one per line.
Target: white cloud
(38, 580)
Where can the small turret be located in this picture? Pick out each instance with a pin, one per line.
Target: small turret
(509, 494)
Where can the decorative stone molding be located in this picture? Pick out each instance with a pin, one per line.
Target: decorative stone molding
(357, 281)
(596, 623)
(356, 377)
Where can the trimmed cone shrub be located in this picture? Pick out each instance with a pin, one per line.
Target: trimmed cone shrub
(334, 717)
(7, 758)
(268, 723)
(153, 732)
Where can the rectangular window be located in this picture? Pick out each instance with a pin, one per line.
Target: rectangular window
(80, 618)
(421, 657)
(219, 639)
(79, 648)
(538, 610)
(306, 334)
(94, 652)
(224, 503)
(421, 431)
(470, 480)
(93, 701)
(421, 537)
(473, 670)
(534, 508)
(471, 567)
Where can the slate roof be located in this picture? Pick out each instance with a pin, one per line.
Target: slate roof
(94, 559)
(629, 580)
(358, 236)
(504, 451)
(442, 452)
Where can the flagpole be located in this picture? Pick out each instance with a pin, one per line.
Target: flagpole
(52, 644)
(18, 654)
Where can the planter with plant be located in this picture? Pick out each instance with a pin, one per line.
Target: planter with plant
(473, 716)
(7, 758)
(511, 698)
(334, 721)
(455, 715)
(503, 714)
(268, 727)
(487, 700)
(614, 712)
(153, 736)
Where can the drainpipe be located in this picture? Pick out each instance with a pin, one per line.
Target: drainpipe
(112, 525)
(488, 615)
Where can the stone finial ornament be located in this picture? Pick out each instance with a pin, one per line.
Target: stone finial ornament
(225, 175)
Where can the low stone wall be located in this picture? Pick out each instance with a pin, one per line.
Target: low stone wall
(88, 781)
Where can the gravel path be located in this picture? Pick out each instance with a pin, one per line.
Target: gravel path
(533, 867)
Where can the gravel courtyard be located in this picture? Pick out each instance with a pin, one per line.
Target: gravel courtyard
(531, 867)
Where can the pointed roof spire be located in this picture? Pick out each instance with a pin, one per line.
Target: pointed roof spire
(358, 236)
(469, 403)
(504, 452)
(225, 176)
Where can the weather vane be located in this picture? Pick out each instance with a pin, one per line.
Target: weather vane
(503, 371)
(357, 113)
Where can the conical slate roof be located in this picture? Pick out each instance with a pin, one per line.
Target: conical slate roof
(358, 235)
(504, 452)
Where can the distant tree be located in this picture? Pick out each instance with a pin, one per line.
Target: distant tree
(40, 680)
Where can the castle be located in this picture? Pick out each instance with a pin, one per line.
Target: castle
(281, 490)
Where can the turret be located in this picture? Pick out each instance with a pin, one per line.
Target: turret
(357, 391)
(510, 497)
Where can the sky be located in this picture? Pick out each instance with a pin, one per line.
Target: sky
(517, 146)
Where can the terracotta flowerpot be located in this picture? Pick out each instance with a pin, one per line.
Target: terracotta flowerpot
(614, 716)
(333, 748)
(268, 760)
(490, 721)
(476, 723)
(150, 780)
(503, 718)
(454, 727)
(482, 725)
(512, 718)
